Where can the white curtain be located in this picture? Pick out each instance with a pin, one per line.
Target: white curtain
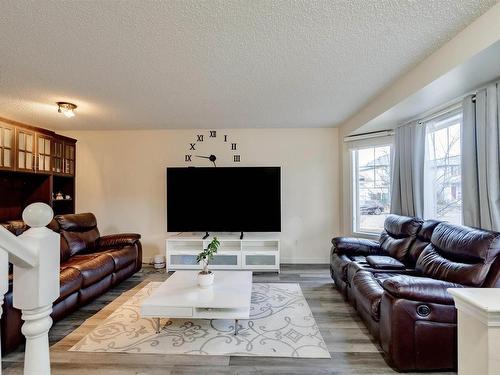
(481, 159)
(408, 171)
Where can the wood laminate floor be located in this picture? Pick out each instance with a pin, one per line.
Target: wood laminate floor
(349, 343)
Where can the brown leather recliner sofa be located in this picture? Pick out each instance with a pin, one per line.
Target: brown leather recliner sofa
(90, 265)
(406, 306)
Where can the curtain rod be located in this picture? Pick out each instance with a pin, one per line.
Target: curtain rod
(444, 111)
(433, 113)
(368, 135)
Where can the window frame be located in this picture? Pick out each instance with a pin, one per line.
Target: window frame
(354, 181)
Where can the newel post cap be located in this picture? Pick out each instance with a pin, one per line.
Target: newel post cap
(38, 215)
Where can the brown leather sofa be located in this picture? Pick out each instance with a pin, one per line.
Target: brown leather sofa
(91, 264)
(408, 310)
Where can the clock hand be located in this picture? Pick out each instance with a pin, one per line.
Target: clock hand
(212, 158)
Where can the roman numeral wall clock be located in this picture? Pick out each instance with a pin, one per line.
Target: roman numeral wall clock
(205, 146)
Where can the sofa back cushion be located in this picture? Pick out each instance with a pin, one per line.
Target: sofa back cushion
(422, 239)
(79, 232)
(459, 254)
(398, 235)
(64, 249)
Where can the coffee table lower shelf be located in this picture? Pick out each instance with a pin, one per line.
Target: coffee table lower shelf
(209, 313)
(158, 324)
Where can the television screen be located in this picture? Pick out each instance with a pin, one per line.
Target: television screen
(246, 199)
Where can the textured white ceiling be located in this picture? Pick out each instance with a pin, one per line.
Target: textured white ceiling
(212, 64)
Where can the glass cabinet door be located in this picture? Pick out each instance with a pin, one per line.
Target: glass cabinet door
(43, 153)
(25, 150)
(69, 159)
(6, 147)
(57, 156)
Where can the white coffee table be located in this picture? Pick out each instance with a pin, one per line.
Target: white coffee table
(181, 297)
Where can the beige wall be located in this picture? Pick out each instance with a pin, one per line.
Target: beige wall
(121, 178)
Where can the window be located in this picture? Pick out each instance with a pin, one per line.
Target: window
(372, 184)
(443, 177)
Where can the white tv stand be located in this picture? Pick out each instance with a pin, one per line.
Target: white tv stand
(256, 252)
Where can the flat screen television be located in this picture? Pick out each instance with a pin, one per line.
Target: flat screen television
(232, 199)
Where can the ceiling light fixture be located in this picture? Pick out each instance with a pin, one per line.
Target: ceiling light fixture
(67, 109)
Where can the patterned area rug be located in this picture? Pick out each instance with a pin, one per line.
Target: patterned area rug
(281, 325)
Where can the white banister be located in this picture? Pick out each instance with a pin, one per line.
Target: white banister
(35, 256)
(18, 252)
(478, 319)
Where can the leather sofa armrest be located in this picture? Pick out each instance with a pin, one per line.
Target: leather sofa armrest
(351, 246)
(382, 262)
(420, 289)
(118, 240)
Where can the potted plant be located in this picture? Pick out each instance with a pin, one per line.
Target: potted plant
(205, 276)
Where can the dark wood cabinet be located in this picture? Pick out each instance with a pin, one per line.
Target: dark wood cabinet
(36, 165)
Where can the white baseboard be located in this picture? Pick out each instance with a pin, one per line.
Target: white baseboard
(305, 260)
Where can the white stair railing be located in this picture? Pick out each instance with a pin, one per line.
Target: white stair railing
(35, 256)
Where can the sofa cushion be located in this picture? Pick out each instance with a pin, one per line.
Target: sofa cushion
(459, 254)
(118, 240)
(398, 226)
(70, 281)
(93, 267)
(422, 289)
(339, 265)
(355, 246)
(421, 241)
(123, 257)
(368, 293)
(80, 232)
(384, 262)
(466, 244)
(398, 235)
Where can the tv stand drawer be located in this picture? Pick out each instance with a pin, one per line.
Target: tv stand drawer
(260, 260)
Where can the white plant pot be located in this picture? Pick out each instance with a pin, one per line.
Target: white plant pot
(204, 281)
